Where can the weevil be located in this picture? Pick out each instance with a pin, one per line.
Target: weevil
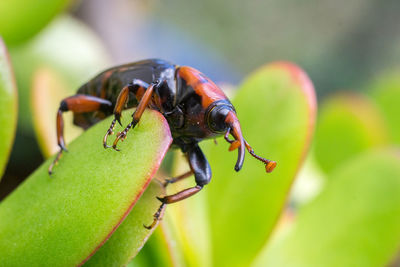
(194, 107)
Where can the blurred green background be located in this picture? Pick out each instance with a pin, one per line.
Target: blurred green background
(349, 49)
(342, 45)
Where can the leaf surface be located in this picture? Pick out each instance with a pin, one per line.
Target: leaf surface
(63, 219)
(131, 235)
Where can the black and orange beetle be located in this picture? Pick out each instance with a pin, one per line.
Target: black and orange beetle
(193, 105)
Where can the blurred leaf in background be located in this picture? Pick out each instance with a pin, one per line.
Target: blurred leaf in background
(353, 222)
(338, 47)
(22, 19)
(348, 124)
(66, 46)
(385, 90)
(8, 107)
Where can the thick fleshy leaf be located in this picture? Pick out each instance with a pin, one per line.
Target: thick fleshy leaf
(70, 50)
(8, 107)
(131, 235)
(276, 107)
(21, 19)
(348, 125)
(61, 220)
(386, 92)
(353, 222)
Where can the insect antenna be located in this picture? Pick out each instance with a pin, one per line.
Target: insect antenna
(269, 164)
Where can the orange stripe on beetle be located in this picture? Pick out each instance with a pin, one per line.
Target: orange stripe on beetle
(203, 86)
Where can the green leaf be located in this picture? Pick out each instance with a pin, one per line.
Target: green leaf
(276, 106)
(68, 46)
(8, 107)
(353, 222)
(131, 235)
(386, 92)
(61, 220)
(21, 19)
(348, 125)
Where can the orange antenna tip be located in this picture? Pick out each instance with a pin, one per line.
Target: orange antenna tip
(270, 166)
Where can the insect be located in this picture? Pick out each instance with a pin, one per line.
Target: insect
(193, 105)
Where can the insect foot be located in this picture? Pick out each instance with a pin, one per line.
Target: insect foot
(157, 217)
(121, 136)
(110, 131)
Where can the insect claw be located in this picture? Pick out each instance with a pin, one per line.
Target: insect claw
(156, 217)
(121, 136)
(149, 227)
(115, 148)
(55, 162)
(110, 132)
(63, 148)
(166, 182)
(161, 199)
(152, 225)
(106, 146)
(105, 142)
(105, 139)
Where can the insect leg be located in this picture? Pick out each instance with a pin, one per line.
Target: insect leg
(138, 88)
(78, 104)
(178, 178)
(137, 114)
(202, 172)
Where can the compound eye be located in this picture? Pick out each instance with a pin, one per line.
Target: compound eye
(217, 119)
